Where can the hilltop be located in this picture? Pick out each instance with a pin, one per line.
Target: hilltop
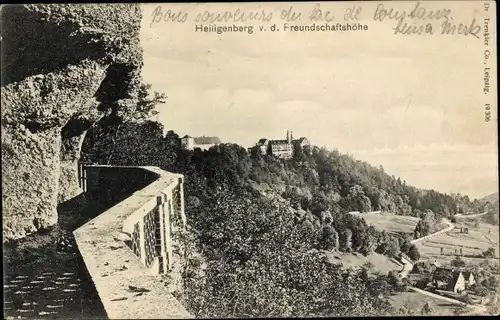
(490, 198)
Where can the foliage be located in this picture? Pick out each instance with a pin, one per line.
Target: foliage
(479, 289)
(428, 224)
(457, 262)
(413, 253)
(144, 109)
(261, 252)
(489, 253)
(426, 309)
(260, 261)
(491, 207)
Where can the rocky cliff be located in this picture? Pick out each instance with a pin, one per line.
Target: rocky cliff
(63, 68)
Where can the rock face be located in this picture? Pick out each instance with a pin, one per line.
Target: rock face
(64, 67)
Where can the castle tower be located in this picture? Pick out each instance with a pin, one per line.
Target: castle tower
(288, 136)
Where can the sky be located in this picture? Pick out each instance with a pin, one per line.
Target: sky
(411, 103)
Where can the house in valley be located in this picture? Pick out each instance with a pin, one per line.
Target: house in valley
(450, 280)
(457, 283)
(469, 278)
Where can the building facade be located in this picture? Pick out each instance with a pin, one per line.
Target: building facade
(281, 148)
(457, 284)
(450, 280)
(204, 143)
(469, 278)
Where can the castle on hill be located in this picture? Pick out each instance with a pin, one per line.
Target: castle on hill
(281, 148)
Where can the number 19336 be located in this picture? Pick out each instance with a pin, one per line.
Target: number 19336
(487, 113)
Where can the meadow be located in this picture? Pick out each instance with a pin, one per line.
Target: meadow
(479, 238)
(390, 222)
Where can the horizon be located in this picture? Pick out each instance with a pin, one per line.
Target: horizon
(376, 101)
(342, 152)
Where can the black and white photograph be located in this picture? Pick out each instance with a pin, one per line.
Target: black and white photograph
(250, 160)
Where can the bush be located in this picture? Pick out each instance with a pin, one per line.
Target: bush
(489, 253)
(413, 253)
(479, 290)
(427, 309)
(458, 262)
(465, 298)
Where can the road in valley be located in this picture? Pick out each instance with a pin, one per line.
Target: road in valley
(459, 215)
(408, 266)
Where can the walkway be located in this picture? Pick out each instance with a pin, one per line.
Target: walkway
(449, 228)
(44, 275)
(50, 291)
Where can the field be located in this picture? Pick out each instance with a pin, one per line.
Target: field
(375, 263)
(481, 236)
(415, 301)
(389, 222)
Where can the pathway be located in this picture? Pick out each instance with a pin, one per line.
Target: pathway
(55, 287)
(45, 276)
(475, 309)
(459, 215)
(450, 227)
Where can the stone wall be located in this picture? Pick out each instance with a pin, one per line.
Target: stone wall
(112, 184)
(63, 68)
(118, 268)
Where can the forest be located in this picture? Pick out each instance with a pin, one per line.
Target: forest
(261, 224)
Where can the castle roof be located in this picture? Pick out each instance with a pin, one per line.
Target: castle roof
(279, 141)
(262, 141)
(186, 136)
(206, 140)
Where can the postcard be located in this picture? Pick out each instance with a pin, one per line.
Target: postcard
(250, 160)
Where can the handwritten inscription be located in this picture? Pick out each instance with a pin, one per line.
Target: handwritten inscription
(422, 21)
(419, 20)
(321, 15)
(236, 16)
(159, 15)
(290, 15)
(418, 12)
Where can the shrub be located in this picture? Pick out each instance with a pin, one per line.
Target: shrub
(458, 262)
(413, 253)
(427, 309)
(489, 253)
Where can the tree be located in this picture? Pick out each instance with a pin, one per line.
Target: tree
(330, 238)
(392, 247)
(364, 275)
(394, 280)
(258, 259)
(489, 253)
(457, 262)
(417, 234)
(127, 132)
(145, 107)
(413, 253)
(426, 309)
(405, 245)
(346, 240)
(365, 204)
